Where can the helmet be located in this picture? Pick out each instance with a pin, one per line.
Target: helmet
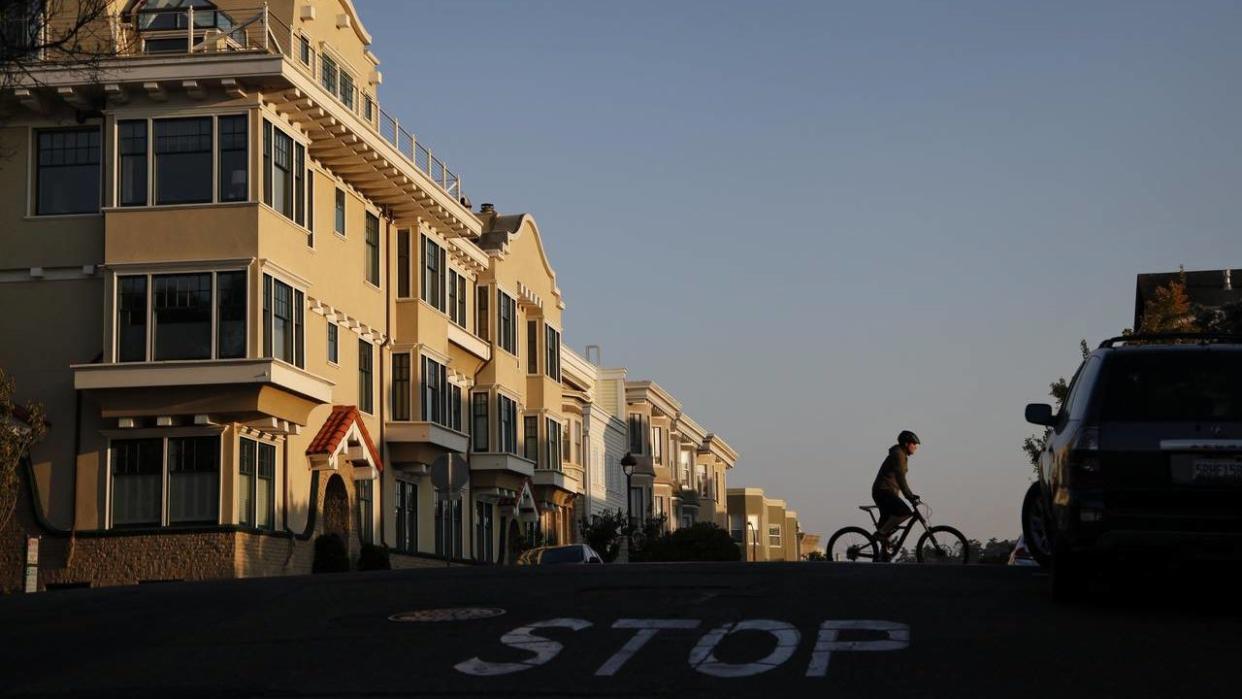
(907, 437)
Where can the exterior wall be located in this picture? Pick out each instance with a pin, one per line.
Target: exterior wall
(748, 504)
(790, 539)
(775, 518)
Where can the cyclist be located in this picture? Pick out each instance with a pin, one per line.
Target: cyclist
(890, 484)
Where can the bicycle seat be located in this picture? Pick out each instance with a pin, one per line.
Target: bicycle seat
(865, 508)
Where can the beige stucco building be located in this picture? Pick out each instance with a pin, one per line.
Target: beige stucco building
(764, 527)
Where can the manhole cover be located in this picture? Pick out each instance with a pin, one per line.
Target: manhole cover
(449, 614)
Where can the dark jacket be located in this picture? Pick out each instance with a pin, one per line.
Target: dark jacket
(892, 475)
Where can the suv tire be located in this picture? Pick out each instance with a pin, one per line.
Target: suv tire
(1036, 532)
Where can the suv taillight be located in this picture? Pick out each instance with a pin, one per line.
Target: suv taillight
(1084, 455)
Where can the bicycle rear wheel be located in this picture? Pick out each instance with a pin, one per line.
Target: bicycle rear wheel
(853, 545)
(944, 546)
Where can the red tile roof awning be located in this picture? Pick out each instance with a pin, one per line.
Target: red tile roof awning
(341, 421)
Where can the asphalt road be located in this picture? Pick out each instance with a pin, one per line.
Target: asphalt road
(720, 630)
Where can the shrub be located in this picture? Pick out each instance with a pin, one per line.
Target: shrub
(603, 533)
(373, 557)
(703, 541)
(331, 555)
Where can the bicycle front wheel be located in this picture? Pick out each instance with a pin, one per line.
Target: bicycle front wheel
(853, 545)
(944, 546)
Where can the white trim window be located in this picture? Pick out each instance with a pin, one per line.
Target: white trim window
(457, 298)
(774, 535)
(480, 432)
(68, 171)
(165, 481)
(401, 386)
(283, 320)
(256, 486)
(185, 315)
(366, 377)
(657, 445)
(435, 396)
(556, 457)
(506, 322)
(433, 264)
(506, 417)
(372, 241)
(552, 347)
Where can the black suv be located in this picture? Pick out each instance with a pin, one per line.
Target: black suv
(1145, 457)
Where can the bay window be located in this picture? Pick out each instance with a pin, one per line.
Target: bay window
(456, 297)
(195, 160)
(199, 315)
(284, 172)
(234, 164)
(403, 263)
(433, 273)
(160, 481)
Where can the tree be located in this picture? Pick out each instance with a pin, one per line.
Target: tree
(34, 33)
(815, 556)
(702, 541)
(20, 428)
(1169, 309)
(1035, 444)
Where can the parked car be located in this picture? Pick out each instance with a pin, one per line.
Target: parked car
(1021, 556)
(559, 555)
(1144, 458)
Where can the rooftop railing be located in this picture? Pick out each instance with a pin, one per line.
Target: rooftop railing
(191, 31)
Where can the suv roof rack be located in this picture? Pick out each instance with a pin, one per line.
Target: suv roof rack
(1200, 338)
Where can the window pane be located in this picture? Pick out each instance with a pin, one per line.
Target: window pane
(265, 489)
(482, 320)
(282, 173)
(267, 162)
(478, 423)
(181, 305)
(231, 315)
(234, 164)
(193, 479)
(131, 319)
(364, 377)
(401, 387)
(403, 263)
(366, 516)
(332, 343)
(372, 243)
(137, 466)
(532, 347)
(132, 147)
(299, 183)
(68, 175)
(299, 360)
(282, 321)
(347, 89)
(340, 211)
(530, 438)
(247, 466)
(183, 161)
(329, 73)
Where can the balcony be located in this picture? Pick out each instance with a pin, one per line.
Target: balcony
(511, 463)
(244, 389)
(422, 442)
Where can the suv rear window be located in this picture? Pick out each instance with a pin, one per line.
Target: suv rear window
(1172, 386)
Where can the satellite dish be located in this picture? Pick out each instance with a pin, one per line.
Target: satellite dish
(450, 473)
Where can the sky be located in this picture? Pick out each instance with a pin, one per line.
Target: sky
(820, 223)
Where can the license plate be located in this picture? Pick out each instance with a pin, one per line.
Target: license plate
(1216, 471)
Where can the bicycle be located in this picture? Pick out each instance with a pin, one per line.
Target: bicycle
(940, 544)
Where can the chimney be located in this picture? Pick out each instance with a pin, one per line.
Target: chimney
(487, 208)
(594, 350)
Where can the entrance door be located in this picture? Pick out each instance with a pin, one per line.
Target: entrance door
(336, 508)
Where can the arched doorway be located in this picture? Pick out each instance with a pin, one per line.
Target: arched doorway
(336, 508)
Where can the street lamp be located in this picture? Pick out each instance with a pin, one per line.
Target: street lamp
(754, 540)
(628, 462)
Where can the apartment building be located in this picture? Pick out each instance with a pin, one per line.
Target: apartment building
(594, 404)
(763, 527)
(681, 470)
(274, 312)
